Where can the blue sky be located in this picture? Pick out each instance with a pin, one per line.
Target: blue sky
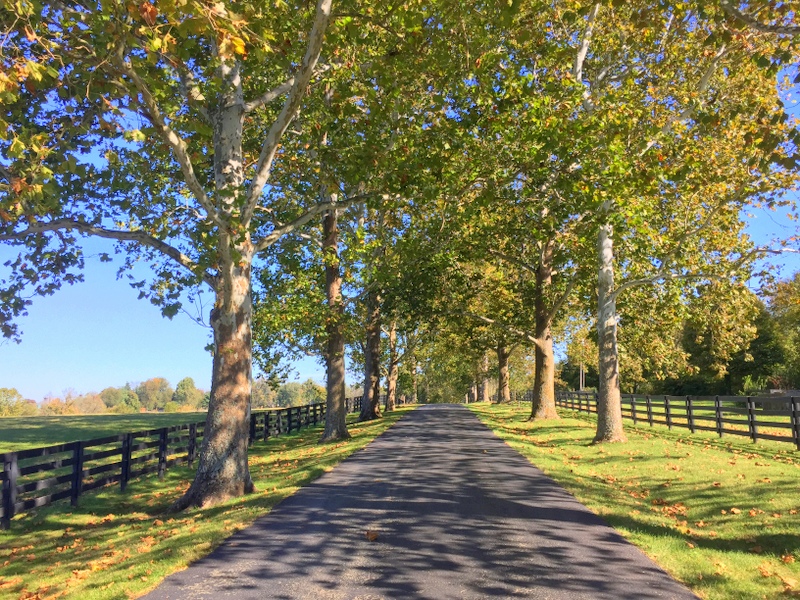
(97, 334)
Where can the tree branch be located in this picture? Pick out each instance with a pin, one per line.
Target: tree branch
(577, 70)
(513, 260)
(290, 109)
(192, 92)
(139, 237)
(517, 332)
(312, 212)
(277, 92)
(561, 300)
(173, 140)
(687, 113)
(662, 276)
(269, 96)
(756, 24)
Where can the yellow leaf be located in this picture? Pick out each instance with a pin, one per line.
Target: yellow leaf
(238, 45)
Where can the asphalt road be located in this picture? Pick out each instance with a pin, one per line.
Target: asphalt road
(458, 514)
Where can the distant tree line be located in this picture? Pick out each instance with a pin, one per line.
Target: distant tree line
(154, 395)
(754, 349)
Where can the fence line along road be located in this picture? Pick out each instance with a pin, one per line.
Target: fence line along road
(41, 476)
(775, 418)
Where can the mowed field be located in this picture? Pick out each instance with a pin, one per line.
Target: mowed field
(21, 433)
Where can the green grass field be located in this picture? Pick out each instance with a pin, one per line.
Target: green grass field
(21, 433)
(723, 516)
(120, 545)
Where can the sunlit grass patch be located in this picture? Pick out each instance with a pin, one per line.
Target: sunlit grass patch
(22, 433)
(723, 516)
(120, 545)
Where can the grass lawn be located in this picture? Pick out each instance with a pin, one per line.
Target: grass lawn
(21, 433)
(723, 516)
(119, 545)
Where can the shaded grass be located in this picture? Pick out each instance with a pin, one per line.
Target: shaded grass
(721, 516)
(121, 545)
(21, 433)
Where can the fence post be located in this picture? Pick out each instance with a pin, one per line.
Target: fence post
(649, 401)
(633, 409)
(125, 475)
(267, 423)
(718, 415)
(751, 418)
(668, 411)
(11, 469)
(252, 436)
(77, 472)
(690, 413)
(795, 404)
(162, 452)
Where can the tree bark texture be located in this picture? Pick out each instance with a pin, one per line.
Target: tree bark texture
(543, 405)
(503, 389)
(393, 372)
(222, 470)
(414, 380)
(609, 400)
(370, 405)
(336, 409)
(485, 379)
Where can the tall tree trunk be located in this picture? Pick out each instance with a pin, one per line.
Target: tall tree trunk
(485, 379)
(371, 403)
(503, 389)
(391, 378)
(609, 400)
(336, 409)
(222, 470)
(543, 405)
(414, 380)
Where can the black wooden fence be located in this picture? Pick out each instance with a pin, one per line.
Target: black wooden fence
(775, 418)
(40, 476)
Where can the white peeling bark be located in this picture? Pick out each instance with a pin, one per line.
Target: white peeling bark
(609, 400)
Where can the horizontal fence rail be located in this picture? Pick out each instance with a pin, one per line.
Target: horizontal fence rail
(775, 418)
(41, 476)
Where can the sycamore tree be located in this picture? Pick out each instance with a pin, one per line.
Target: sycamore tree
(674, 124)
(160, 128)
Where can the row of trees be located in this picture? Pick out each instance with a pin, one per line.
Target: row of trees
(753, 349)
(154, 395)
(456, 178)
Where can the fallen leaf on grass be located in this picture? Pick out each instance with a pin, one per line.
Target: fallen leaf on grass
(7, 583)
(787, 558)
(735, 511)
(371, 535)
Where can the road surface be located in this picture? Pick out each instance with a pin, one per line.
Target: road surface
(457, 513)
